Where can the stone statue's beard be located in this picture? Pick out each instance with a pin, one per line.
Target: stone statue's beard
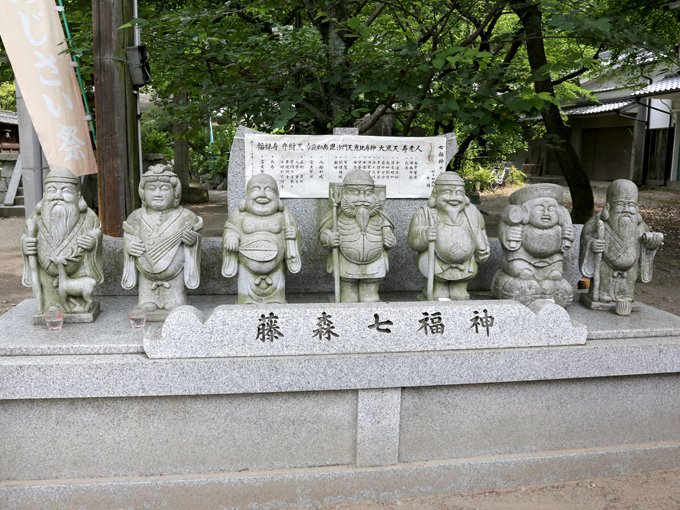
(59, 217)
(454, 210)
(625, 225)
(361, 213)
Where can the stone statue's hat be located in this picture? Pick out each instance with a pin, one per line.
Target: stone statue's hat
(61, 174)
(532, 191)
(449, 178)
(159, 171)
(358, 177)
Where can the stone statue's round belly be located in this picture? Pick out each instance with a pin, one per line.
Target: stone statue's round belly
(261, 252)
(454, 245)
(542, 243)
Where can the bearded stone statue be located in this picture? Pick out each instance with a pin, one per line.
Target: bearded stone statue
(162, 245)
(62, 249)
(362, 233)
(451, 231)
(261, 239)
(617, 248)
(534, 232)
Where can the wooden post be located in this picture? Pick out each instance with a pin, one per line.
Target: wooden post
(116, 115)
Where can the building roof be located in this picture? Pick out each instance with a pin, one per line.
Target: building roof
(590, 109)
(9, 117)
(666, 86)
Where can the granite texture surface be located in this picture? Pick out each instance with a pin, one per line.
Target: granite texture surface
(81, 438)
(314, 277)
(293, 330)
(309, 487)
(490, 419)
(378, 427)
(403, 274)
(35, 377)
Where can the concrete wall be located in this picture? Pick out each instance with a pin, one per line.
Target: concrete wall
(7, 162)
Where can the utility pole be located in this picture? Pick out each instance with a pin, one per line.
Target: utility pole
(116, 115)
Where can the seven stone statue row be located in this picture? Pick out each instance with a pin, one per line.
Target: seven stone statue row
(62, 244)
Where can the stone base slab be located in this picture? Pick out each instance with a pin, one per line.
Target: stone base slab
(72, 318)
(341, 484)
(157, 316)
(599, 305)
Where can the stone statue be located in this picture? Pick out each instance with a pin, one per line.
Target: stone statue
(617, 248)
(62, 249)
(534, 232)
(358, 236)
(448, 234)
(162, 245)
(258, 238)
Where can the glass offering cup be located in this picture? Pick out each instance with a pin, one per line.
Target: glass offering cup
(54, 319)
(137, 318)
(623, 306)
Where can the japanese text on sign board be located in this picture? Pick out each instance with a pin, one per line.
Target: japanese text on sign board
(303, 166)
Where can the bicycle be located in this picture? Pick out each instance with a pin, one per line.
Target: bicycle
(498, 177)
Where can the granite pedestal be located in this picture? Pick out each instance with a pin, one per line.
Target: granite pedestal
(90, 421)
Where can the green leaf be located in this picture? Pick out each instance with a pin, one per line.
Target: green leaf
(354, 23)
(438, 63)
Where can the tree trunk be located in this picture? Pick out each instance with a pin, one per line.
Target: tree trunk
(181, 146)
(579, 184)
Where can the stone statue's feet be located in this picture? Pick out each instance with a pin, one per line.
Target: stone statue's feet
(605, 298)
(555, 275)
(526, 274)
(149, 307)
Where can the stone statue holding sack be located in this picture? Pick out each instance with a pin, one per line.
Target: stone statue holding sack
(448, 234)
(617, 249)
(358, 236)
(261, 240)
(62, 249)
(534, 232)
(162, 245)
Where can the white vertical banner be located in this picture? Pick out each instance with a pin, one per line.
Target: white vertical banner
(32, 35)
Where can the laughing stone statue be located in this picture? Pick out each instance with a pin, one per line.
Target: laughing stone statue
(451, 231)
(261, 239)
(162, 245)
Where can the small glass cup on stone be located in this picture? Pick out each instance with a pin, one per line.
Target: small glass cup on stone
(137, 318)
(54, 319)
(623, 306)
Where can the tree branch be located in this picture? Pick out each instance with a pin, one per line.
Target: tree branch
(377, 115)
(318, 114)
(484, 23)
(578, 72)
(375, 14)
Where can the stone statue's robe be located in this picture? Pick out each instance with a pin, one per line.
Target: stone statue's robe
(457, 246)
(362, 253)
(263, 256)
(624, 261)
(81, 264)
(168, 267)
(539, 249)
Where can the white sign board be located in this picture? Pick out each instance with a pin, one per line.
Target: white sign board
(303, 166)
